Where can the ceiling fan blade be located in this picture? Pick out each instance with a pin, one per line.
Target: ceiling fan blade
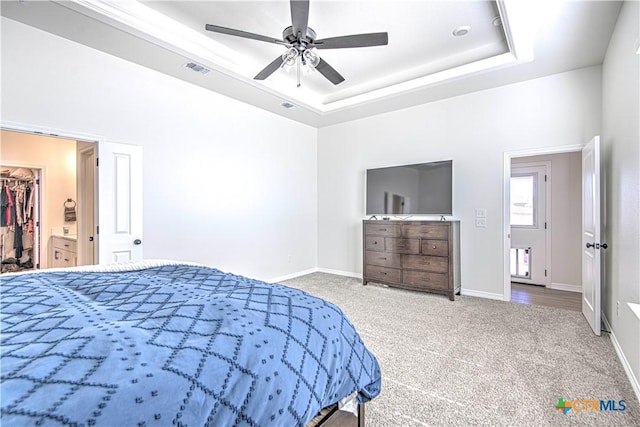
(243, 34)
(327, 70)
(300, 17)
(356, 40)
(269, 69)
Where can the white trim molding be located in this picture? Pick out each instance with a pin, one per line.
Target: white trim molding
(481, 294)
(565, 287)
(635, 384)
(340, 273)
(292, 275)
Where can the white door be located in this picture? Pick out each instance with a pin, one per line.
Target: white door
(591, 260)
(120, 202)
(529, 224)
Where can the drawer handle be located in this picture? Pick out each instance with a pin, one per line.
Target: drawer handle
(434, 247)
(383, 229)
(383, 258)
(375, 242)
(66, 245)
(384, 273)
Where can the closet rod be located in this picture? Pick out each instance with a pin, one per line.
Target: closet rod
(16, 179)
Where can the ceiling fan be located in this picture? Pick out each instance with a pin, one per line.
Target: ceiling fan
(301, 44)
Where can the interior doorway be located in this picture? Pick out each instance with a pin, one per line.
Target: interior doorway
(559, 256)
(20, 217)
(68, 195)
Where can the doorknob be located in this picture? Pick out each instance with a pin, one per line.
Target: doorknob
(604, 246)
(591, 245)
(137, 242)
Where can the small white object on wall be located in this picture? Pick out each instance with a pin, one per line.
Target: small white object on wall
(481, 218)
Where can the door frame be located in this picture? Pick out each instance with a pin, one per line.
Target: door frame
(506, 199)
(87, 192)
(36, 130)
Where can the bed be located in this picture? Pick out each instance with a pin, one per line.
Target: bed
(166, 343)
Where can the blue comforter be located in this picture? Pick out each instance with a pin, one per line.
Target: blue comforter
(173, 345)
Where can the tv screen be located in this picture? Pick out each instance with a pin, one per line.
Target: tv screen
(420, 189)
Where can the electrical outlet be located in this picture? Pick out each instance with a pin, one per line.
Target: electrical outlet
(481, 213)
(481, 222)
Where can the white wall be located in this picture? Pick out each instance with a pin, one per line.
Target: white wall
(474, 131)
(566, 217)
(225, 183)
(621, 175)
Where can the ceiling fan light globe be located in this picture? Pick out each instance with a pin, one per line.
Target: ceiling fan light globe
(311, 58)
(290, 56)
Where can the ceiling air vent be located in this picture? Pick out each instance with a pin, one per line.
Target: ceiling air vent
(287, 105)
(197, 67)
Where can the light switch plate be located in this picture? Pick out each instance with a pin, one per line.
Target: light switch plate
(481, 213)
(481, 222)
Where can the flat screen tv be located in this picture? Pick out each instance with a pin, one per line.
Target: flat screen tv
(420, 189)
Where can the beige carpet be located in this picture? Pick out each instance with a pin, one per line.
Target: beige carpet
(477, 361)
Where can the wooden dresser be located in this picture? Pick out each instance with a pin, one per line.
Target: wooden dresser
(418, 255)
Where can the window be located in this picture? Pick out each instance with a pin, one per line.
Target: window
(523, 200)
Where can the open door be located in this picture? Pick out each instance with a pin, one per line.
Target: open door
(120, 207)
(86, 155)
(591, 259)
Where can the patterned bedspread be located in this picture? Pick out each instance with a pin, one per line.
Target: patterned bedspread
(173, 345)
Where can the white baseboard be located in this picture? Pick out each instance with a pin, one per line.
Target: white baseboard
(292, 275)
(481, 294)
(565, 287)
(635, 384)
(340, 273)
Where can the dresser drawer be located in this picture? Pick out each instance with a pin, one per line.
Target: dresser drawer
(435, 264)
(426, 231)
(374, 243)
(64, 244)
(435, 247)
(425, 279)
(403, 246)
(386, 274)
(386, 230)
(383, 259)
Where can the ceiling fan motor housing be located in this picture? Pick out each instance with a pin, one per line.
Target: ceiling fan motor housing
(292, 39)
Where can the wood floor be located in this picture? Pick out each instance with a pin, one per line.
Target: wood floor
(539, 295)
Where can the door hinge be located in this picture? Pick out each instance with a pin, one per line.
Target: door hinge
(37, 223)
(97, 161)
(545, 225)
(97, 229)
(545, 272)
(37, 181)
(545, 178)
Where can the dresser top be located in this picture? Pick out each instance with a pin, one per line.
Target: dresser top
(408, 221)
